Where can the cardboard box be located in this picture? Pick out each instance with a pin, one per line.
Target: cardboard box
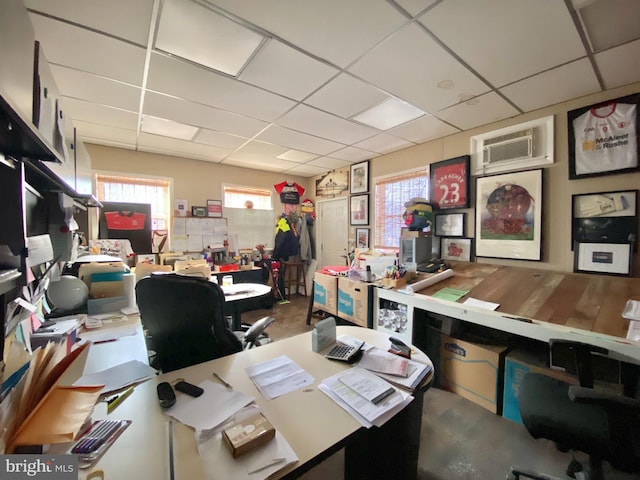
(473, 371)
(353, 301)
(325, 293)
(248, 434)
(516, 365)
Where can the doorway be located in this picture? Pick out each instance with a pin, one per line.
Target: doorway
(333, 231)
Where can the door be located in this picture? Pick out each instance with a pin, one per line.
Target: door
(333, 234)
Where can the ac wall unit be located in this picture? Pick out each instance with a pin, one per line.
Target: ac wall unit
(518, 147)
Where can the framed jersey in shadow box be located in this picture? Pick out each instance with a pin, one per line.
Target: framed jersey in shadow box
(603, 138)
(449, 181)
(609, 217)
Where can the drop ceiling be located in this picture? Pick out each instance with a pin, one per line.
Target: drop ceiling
(301, 87)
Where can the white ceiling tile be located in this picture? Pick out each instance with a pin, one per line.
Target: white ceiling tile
(423, 129)
(353, 154)
(619, 66)
(104, 16)
(307, 170)
(100, 114)
(384, 143)
(191, 113)
(174, 145)
(297, 156)
(260, 162)
(299, 141)
(218, 139)
(93, 131)
(284, 70)
(314, 121)
(190, 30)
(181, 79)
(177, 153)
(328, 163)
(92, 88)
(553, 86)
(480, 111)
(414, 7)
(504, 40)
(354, 26)
(92, 52)
(413, 76)
(346, 96)
(256, 149)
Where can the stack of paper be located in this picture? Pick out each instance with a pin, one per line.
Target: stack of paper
(279, 376)
(356, 389)
(384, 364)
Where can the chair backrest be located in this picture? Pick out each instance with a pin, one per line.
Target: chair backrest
(185, 318)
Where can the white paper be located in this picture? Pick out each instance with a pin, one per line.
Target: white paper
(194, 243)
(209, 410)
(632, 310)
(179, 226)
(111, 333)
(117, 377)
(378, 360)
(427, 282)
(179, 243)
(474, 302)
(367, 385)
(633, 333)
(194, 226)
(279, 376)
(219, 463)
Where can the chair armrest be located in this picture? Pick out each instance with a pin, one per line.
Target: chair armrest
(609, 400)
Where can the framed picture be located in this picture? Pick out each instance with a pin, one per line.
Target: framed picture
(607, 258)
(609, 217)
(603, 138)
(214, 208)
(359, 207)
(456, 249)
(509, 215)
(449, 181)
(359, 178)
(450, 225)
(362, 237)
(334, 183)
(198, 211)
(150, 258)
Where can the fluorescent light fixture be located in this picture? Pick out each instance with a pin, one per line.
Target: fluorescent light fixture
(388, 114)
(297, 156)
(167, 128)
(196, 33)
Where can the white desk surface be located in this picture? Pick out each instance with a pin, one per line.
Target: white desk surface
(309, 420)
(243, 291)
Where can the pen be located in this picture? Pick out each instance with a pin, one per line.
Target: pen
(273, 462)
(223, 381)
(114, 402)
(520, 319)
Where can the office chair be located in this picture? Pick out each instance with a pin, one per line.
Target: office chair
(604, 425)
(185, 322)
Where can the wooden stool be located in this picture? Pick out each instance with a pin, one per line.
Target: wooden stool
(294, 277)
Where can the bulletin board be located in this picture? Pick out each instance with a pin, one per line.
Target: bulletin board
(194, 234)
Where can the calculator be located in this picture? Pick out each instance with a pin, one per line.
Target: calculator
(343, 352)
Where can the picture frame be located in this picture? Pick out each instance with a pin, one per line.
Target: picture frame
(609, 217)
(601, 143)
(359, 209)
(198, 211)
(362, 237)
(508, 216)
(603, 258)
(150, 258)
(214, 208)
(449, 183)
(450, 225)
(359, 178)
(454, 248)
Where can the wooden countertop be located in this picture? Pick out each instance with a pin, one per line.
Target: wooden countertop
(585, 301)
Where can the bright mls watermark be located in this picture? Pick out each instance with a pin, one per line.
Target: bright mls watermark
(51, 467)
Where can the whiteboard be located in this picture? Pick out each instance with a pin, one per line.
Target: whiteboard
(251, 227)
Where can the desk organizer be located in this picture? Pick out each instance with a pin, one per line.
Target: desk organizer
(394, 283)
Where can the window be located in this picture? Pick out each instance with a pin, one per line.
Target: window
(156, 191)
(238, 196)
(391, 193)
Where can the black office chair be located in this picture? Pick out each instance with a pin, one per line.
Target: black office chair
(604, 425)
(185, 321)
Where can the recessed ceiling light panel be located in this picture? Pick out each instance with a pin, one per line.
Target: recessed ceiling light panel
(388, 114)
(167, 128)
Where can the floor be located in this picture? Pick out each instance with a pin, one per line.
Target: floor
(460, 440)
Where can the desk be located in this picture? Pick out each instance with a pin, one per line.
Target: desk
(579, 307)
(313, 424)
(237, 294)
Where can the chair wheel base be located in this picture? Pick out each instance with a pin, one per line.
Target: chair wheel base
(573, 468)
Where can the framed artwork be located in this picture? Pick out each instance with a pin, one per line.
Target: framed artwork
(449, 182)
(334, 183)
(359, 208)
(609, 217)
(508, 220)
(450, 225)
(214, 208)
(359, 178)
(607, 258)
(180, 208)
(362, 237)
(150, 258)
(198, 211)
(603, 138)
(456, 249)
